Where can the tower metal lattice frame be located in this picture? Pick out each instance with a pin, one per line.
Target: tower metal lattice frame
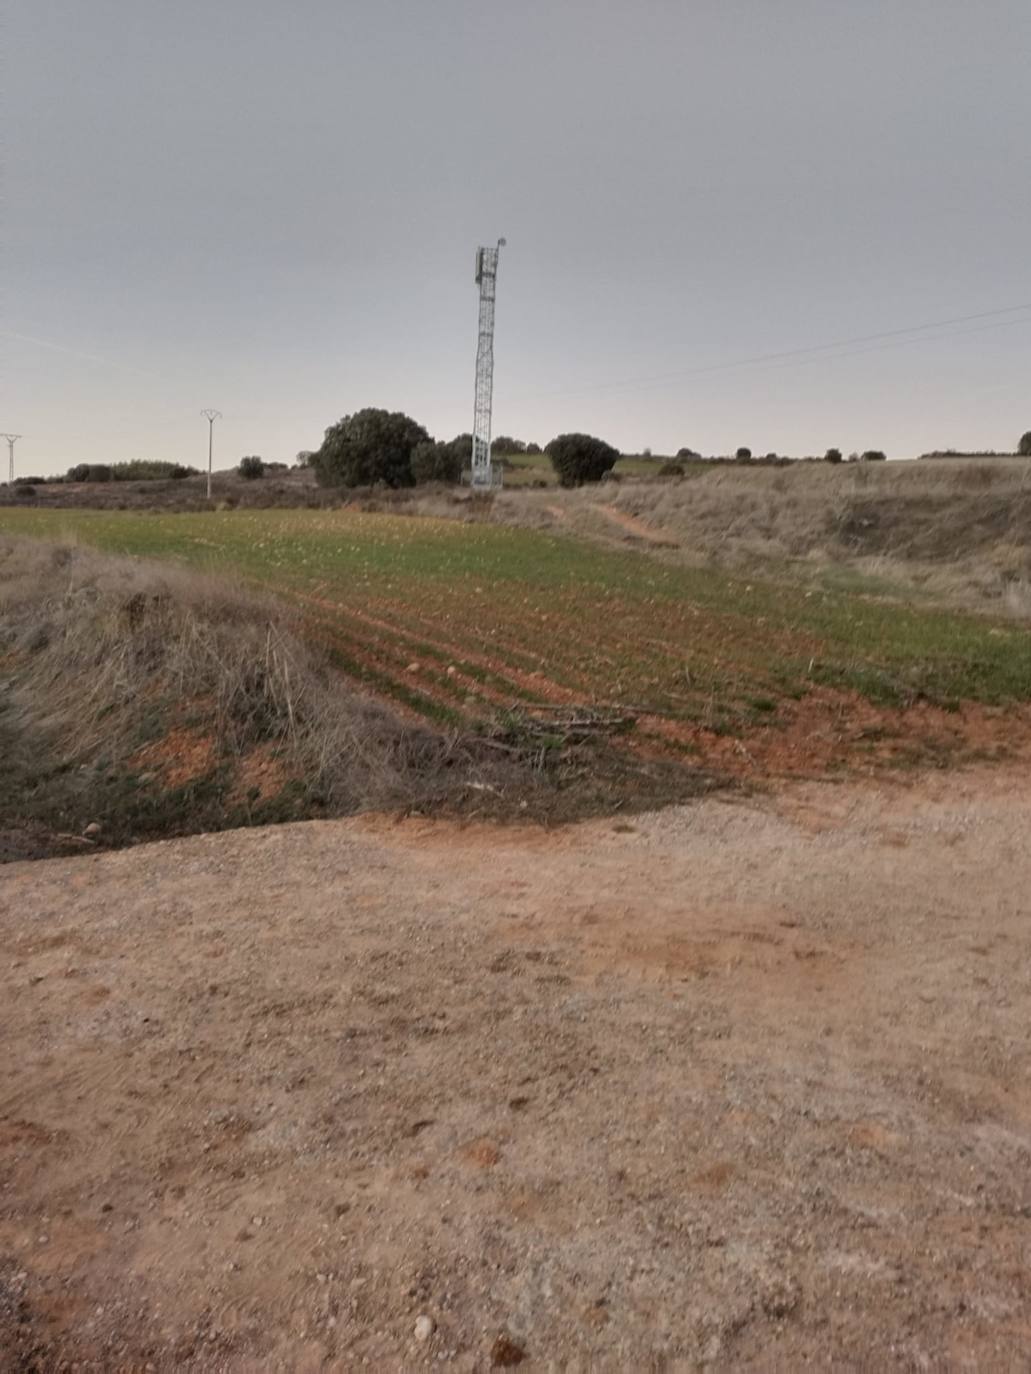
(486, 279)
(11, 440)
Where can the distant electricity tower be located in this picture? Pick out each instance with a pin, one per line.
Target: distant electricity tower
(486, 280)
(11, 439)
(211, 416)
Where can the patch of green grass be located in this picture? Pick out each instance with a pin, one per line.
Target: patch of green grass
(510, 606)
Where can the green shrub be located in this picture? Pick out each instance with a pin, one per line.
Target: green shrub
(504, 443)
(251, 468)
(148, 470)
(89, 472)
(671, 470)
(833, 455)
(437, 462)
(580, 458)
(533, 448)
(367, 447)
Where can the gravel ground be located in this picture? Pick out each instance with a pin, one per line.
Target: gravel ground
(739, 1084)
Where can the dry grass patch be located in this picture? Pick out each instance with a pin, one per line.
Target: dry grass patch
(957, 532)
(151, 700)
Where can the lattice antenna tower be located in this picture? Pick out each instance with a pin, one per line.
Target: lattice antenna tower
(486, 280)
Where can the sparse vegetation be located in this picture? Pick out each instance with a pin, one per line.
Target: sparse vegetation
(580, 458)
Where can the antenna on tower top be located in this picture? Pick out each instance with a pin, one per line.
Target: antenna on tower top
(486, 280)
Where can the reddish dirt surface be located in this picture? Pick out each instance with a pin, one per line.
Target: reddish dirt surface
(832, 731)
(181, 756)
(826, 731)
(633, 525)
(738, 1084)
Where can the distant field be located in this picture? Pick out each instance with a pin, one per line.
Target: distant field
(458, 621)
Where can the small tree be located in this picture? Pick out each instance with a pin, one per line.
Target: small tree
(1024, 447)
(687, 454)
(504, 443)
(874, 455)
(743, 455)
(579, 458)
(463, 446)
(78, 473)
(251, 468)
(304, 457)
(533, 448)
(833, 455)
(369, 446)
(437, 462)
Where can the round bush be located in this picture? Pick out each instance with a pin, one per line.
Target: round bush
(251, 468)
(833, 455)
(1024, 447)
(367, 447)
(580, 458)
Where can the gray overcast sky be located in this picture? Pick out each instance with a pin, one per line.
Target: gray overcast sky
(272, 208)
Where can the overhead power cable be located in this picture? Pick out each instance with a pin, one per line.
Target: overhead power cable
(888, 338)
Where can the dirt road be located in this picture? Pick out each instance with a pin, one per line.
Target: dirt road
(738, 1084)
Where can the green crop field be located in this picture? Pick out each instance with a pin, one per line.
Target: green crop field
(459, 621)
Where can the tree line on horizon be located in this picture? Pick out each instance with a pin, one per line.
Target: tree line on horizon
(379, 447)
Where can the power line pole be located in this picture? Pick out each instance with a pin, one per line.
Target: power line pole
(486, 280)
(10, 452)
(211, 416)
